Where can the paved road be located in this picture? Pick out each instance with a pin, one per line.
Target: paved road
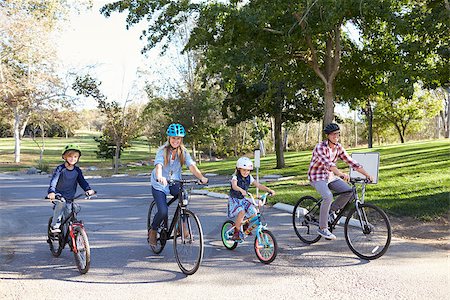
(123, 267)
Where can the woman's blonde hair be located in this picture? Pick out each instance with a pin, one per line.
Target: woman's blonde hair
(168, 151)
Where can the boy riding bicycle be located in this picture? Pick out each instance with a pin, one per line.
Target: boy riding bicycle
(237, 204)
(325, 177)
(64, 182)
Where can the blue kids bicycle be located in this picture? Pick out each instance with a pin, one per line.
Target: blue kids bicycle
(265, 244)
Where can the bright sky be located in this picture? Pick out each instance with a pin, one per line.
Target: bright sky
(92, 39)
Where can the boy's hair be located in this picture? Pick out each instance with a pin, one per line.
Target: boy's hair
(70, 152)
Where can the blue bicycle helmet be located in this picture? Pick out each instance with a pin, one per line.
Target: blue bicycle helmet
(175, 129)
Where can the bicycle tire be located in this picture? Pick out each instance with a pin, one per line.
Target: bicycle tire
(305, 219)
(371, 240)
(160, 241)
(83, 251)
(54, 241)
(267, 250)
(188, 242)
(229, 244)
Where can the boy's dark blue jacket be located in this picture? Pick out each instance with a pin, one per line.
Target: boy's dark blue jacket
(65, 181)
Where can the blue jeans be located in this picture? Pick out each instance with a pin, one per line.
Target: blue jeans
(160, 199)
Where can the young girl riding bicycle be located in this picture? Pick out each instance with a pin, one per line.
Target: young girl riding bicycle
(237, 204)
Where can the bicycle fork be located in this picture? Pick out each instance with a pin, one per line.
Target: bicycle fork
(72, 236)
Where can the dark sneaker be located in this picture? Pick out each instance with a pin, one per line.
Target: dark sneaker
(236, 236)
(331, 217)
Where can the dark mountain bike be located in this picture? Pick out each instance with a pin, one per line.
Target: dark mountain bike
(185, 230)
(367, 228)
(72, 233)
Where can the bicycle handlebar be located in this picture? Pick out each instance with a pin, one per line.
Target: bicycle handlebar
(263, 198)
(359, 180)
(60, 198)
(185, 181)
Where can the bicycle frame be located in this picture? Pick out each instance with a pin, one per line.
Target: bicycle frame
(178, 211)
(255, 221)
(71, 222)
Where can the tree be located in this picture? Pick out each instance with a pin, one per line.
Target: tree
(426, 43)
(122, 124)
(284, 32)
(405, 113)
(28, 80)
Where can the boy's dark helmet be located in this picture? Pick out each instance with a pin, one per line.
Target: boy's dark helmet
(68, 147)
(332, 127)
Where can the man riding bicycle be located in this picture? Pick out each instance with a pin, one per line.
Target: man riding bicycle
(325, 177)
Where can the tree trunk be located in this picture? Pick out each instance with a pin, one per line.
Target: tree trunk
(116, 158)
(400, 133)
(329, 104)
(16, 135)
(369, 115)
(278, 141)
(356, 130)
(306, 134)
(285, 139)
(447, 123)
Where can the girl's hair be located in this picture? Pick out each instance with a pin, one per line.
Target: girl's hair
(168, 151)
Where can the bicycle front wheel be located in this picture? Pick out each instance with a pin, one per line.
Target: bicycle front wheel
(368, 231)
(82, 253)
(160, 240)
(188, 242)
(266, 247)
(305, 218)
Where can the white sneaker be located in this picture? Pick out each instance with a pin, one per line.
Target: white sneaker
(56, 228)
(326, 234)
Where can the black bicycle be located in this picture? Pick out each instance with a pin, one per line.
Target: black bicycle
(185, 230)
(72, 233)
(367, 228)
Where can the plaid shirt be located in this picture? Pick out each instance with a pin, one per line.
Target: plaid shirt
(322, 160)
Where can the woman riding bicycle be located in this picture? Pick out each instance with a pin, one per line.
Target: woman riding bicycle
(325, 177)
(169, 161)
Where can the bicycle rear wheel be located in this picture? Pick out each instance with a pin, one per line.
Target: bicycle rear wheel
(266, 247)
(82, 253)
(368, 235)
(55, 241)
(226, 235)
(188, 242)
(160, 241)
(305, 218)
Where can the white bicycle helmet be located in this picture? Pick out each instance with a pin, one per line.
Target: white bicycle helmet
(244, 163)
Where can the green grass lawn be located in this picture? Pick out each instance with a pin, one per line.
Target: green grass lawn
(414, 178)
